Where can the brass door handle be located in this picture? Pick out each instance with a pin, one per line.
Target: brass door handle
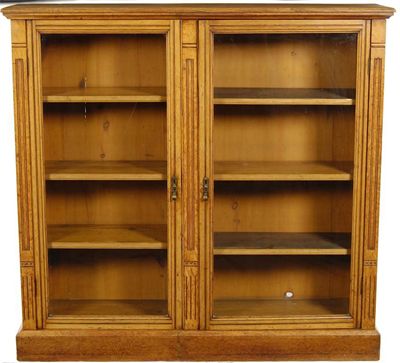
(206, 187)
(174, 188)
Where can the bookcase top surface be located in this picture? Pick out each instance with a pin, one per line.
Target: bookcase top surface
(198, 11)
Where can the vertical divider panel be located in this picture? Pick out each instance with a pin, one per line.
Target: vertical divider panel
(174, 170)
(373, 163)
(27, 172)
(190, 169)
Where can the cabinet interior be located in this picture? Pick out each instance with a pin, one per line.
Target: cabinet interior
(290, 61)
(103, 61)
(105, 151)
(283, 159)
(107, 282)
(280, 285)
(105, 132)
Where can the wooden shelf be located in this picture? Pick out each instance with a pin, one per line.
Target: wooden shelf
(104, 94)
(283, 96)
(281, 307)
(266, 243)
(151, 237)
(108, 307)
(223, 170)
(286, 170)
(106, 170)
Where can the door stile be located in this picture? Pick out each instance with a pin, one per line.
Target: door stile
(37, 129)
(175, 150)
(206, 122)
(190, 169)
(174, 170)
(363, 46)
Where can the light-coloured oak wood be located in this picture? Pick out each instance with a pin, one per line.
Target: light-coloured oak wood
(108, 307)
(208, 11)
(174, 151)
(358, 219)
(372, 173)
(205, 168)
(288, 307)
(103, 94)
(190, 167)
(26, 181)
(106, 170)
(146, 237)
(290, 145)
(263, 243)
(301, 344)
(281, 96)
(308, 127)
(238, 65)
(264, 170)
(111, 105)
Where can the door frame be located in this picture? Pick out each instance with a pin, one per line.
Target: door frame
(207, 29)
(171, 30)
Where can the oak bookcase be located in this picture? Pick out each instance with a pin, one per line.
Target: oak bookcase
(198, 182)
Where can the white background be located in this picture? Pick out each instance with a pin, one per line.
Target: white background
(388, 321)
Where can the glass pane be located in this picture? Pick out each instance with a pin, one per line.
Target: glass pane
(105, 148)
(283, 140)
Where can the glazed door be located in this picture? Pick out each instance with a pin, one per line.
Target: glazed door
(110, 175)
(282, 109)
